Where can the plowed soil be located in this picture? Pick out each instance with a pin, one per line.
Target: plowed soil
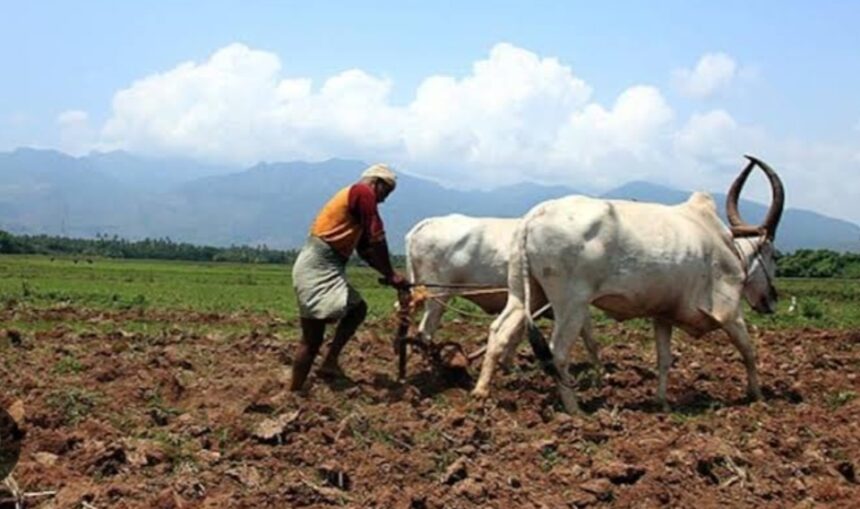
(181, 418)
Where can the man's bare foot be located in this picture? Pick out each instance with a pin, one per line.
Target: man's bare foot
(330, 370)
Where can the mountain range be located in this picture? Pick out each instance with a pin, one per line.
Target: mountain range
(116, 193)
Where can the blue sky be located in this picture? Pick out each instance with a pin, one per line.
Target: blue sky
(778, 77)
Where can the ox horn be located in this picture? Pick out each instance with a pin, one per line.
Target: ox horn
(739, 227)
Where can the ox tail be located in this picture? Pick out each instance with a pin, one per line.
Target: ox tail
(538, 342)
(525, 272)
(410, 238)
(410, 271)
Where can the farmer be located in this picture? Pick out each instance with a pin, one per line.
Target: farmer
(348, 222)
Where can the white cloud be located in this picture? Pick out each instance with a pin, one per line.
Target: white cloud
(713, 73)
(503, 116)
(236, 107)
(633, 125)
(818, 176)
(715, 136)
(212, 110)
(508, 113)
(76, 133)
(514, 116)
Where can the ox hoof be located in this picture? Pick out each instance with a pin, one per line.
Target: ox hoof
(573, 410)
(480, 393)
(571, 407)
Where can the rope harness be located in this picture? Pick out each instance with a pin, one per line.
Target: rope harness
(420, 294)
(756, 255)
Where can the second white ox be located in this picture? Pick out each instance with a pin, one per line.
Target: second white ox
(679, 265)
(463, 250)
(460, 250)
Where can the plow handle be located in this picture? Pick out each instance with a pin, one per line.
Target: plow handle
(400, 343)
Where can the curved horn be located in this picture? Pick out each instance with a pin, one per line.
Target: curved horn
(739, 227)
(774, 213)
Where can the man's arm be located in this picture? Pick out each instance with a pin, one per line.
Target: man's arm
(377, 256)
(372, 246)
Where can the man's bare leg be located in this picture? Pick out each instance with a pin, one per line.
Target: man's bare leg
(345, 331)
(313, 332)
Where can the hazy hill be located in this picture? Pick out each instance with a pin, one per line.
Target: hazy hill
(146, 175)
(45, 191)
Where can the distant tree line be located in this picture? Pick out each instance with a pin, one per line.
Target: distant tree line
(801, 263)
(819, 263)
(153, 249)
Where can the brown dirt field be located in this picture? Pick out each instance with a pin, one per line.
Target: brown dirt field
(186, 419)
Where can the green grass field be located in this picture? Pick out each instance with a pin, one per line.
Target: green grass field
(41, 282)
(121, 284)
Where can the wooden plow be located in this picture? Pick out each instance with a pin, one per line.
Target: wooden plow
(446, 355)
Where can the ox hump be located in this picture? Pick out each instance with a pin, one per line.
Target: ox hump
(702, 201)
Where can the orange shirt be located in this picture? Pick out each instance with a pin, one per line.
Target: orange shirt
(349, 219)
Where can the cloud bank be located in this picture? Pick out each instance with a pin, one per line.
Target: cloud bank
(713, 73)
(515, 116)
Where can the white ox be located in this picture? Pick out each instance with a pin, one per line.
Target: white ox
(463, 250)
(460, 250)
(679, 265)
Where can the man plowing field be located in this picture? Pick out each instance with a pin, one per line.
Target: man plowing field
(349, 222)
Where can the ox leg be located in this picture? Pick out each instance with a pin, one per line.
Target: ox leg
(593, 348)
(737, 331)
(510, 348)
(567, 328)
(433, 311)
(663, 336)
(507, 361)
(591, 344)
(504, 332)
